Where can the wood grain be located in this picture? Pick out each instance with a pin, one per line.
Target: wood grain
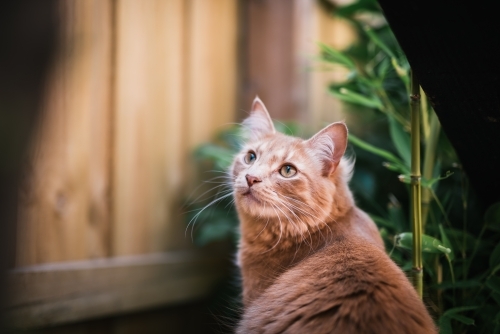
(268, 63)
(149, 137)
(212, 52)
(64, 211)
(176, 74)
(58, 293)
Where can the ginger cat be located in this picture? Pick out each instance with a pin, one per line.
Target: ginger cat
(311, 261)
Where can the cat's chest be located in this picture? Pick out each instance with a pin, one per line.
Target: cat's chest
(273, 262)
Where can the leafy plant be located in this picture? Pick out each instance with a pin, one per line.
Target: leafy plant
(461, 244)
(461, 260)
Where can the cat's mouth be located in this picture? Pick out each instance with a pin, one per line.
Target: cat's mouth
(250, 195)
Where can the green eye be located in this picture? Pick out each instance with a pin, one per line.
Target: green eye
(288, 171)
(250, 157)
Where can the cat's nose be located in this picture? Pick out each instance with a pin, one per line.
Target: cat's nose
(252, 179)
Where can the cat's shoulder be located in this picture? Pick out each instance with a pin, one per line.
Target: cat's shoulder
(351, 286)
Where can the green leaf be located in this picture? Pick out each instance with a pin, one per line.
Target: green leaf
(445, 325)
(495, 257)
(468, 284)
(335, 56)
(382, 221)
(496, 297)
(377, 41)
(350, 96)
(396, 167)
(494, 284)
(383, 69)
(492, 217)
(396, 215)
(463, 319)
(406, 178)
(457, 238)
(401, 140)
(429, 244)
(221, 156)
(231, 136)
(497, 328)
(215, 225)
(401, 72)
(288, 128)
(375, 150)
(459, 309)
(431, 182)
(446, 242)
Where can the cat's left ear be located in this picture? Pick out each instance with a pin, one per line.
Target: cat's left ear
(259, 123)
(329, 146)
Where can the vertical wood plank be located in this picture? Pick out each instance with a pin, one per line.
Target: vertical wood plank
(164, 105)
(171, 95)
(64, 211)
(268, 50)
(175, 100)
(280, 59)
(212, 67)
(149, 125)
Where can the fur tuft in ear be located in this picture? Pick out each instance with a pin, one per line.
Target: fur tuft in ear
(259, 123)
(329, 145)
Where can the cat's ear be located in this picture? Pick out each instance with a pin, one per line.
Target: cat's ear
(329, 145)
(259, 123)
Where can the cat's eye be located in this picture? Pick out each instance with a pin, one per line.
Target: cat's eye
(250, 157)
(288, 171)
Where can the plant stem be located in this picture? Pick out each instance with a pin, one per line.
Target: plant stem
(465, 193)
(425, 115)
(391, 110)
(439, 279)
(476, 247)
(429, 160)
(417, 265)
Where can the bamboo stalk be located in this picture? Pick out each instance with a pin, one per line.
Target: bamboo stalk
(417, 266)
(425, 115)
(429, 160)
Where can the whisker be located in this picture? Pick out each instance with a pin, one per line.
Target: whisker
(208, 191)
(193, 220)
(263, 227)
(320, 221)
(299, 232)
(281, 230)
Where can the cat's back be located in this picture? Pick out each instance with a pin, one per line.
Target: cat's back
(351, 286)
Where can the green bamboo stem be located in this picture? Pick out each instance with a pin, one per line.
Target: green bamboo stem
(417, 263)
(429, 161)
(424, 112)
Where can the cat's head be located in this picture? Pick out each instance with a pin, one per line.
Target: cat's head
(293, 184)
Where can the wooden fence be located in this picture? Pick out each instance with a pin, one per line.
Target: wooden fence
(136, 86)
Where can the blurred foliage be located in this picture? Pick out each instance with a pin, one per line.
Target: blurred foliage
(461, 251)
(461, 243)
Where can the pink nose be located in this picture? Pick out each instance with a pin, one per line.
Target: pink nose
(252, 179)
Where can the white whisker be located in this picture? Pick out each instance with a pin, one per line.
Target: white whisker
(193, 220)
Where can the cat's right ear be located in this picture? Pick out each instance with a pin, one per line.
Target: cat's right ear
(329, 146)
(259, 123)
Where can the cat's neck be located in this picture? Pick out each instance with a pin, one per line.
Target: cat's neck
(267, 248)
(266, 257)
